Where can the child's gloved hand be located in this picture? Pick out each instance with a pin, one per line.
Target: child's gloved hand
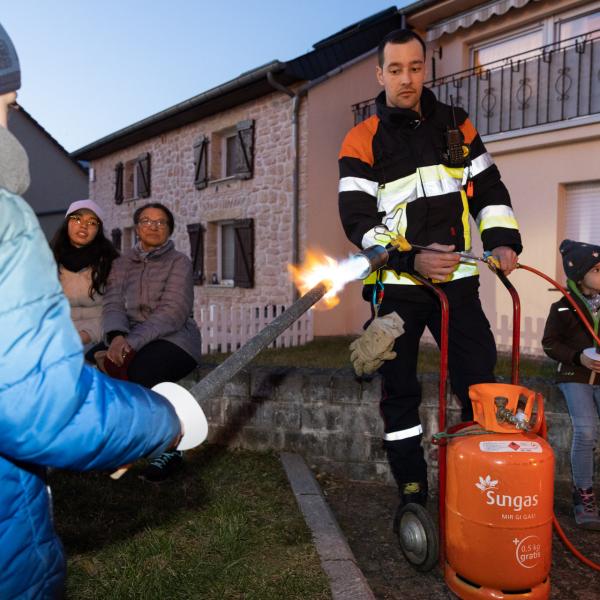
(375, 345)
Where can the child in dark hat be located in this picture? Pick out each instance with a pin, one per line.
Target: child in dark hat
(567, 340)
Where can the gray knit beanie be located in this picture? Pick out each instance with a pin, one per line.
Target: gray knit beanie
(10, 72)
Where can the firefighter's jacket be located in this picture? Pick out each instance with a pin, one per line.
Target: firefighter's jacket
(395, 179)
(565, 337)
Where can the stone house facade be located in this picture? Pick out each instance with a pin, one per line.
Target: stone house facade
(232, 166)
(212, 202)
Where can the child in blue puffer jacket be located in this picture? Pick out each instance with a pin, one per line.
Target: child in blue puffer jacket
(54, 410)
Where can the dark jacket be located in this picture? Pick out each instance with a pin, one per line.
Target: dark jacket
(565, 337)
(54, 410)
(151, 297)
(394, 178)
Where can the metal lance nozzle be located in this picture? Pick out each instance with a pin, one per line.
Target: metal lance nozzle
(219, 376)
(374, 257)
(367, 261)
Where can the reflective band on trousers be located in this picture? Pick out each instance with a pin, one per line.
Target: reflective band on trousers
(394, 436)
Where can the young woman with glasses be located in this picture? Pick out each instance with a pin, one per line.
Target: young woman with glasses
(148, 314)
(84, 257)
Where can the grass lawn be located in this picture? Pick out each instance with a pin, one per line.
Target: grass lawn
(227, 528)
(333, 353)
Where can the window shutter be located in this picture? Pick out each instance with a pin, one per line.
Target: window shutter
(116, 235)
(119, 183)
(245, 153)
(143, 175)
(196, 234)
(201, 163)
(244, 253)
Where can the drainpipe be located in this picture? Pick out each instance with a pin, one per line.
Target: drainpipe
(296, 97)
(296, 100)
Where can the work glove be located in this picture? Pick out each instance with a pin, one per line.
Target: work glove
(374, 346)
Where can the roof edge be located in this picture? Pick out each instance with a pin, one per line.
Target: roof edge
(52, 139)
(232, 85)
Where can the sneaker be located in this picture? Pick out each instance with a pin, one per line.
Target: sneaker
(414, 491)
(163, 466)
(586, 509)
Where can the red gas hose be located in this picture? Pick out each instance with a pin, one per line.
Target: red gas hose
(567, 296)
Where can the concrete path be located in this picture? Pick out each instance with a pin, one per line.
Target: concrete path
(346, 579)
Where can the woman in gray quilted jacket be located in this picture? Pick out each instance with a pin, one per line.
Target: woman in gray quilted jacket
(148, 314)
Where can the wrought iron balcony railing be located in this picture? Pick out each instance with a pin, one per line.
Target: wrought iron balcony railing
(554, 83)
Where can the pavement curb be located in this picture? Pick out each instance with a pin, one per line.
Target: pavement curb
(345, 577)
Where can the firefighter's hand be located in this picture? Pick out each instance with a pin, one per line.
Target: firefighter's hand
(507, 258)
(434, 265)
(375, 345)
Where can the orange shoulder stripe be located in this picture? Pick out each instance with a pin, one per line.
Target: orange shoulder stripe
(468, 130)
(358, 143)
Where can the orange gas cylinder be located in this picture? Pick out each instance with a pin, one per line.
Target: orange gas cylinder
(499, 499)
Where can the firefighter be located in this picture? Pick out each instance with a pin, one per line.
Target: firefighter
(418, 168)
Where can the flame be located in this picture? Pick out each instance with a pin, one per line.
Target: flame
(319, 267)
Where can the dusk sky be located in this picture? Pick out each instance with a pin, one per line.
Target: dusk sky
(91, 68)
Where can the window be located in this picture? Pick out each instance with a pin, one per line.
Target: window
(578, 25)
(196, 235)
(522, 43)
(119, 183)
(116, 235)
(132, 179)
(551, 30)
(230, 154)
(201, 163)
(235, 254)
(128, 239)
(233, 152)
(582, 212)
(227, 253)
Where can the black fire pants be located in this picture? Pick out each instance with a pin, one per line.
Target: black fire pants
(471, 359)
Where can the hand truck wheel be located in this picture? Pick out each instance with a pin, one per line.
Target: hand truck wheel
(417, 536)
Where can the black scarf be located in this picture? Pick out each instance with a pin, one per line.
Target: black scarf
(74, 259)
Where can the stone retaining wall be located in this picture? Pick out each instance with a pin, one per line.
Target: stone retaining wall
(333, 420)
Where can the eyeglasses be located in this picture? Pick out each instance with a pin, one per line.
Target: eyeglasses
(160, 223)
(91, 222)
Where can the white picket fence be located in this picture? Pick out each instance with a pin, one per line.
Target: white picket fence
(227, 328)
